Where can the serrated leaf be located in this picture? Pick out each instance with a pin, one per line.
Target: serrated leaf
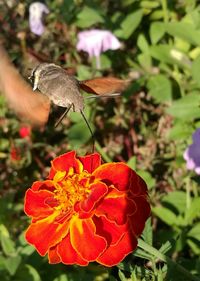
(165, 247)
(159, 87)
(147, 233)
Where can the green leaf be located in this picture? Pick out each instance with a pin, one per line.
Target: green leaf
(147, 177)
(159, 87)
(7, 244)
(142, 43)
(186, 108)
(132, 162)
(157, 30)
(195, 232)
(185, 31)
(165, 247)
(12, 264)
(145, 61)
(129, 24)
(180, 130)
(122, 276)
(196, 70)
(88, 16)
(194, 211)
(165, 215)
(62, 277)
(83, 72)
(177, 199)
(170, 55)
(4, 144)
(79, 134)
(33, 274)
(147, 233)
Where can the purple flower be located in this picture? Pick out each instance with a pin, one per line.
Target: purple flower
(36, 11)
(192, 153)
(96, 41)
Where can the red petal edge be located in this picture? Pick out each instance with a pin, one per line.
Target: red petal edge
(90, 162)
(64, 162)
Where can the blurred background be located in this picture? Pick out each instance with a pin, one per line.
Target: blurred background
(150, 126)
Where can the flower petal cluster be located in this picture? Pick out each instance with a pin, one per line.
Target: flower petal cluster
(192, 153)
(96, 41)
(86, 211)
(36, 11)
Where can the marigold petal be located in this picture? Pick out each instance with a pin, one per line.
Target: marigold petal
(117, 174)
(83, 238)
(116, 253)
(90, 162)
(45, 233)
(116, 209)
(40, 185)
(67, 253)
(109, 230)
(35, 204)
(98, 190)
(138, 219)
(53, 255)
(64, 162)
(137, 186)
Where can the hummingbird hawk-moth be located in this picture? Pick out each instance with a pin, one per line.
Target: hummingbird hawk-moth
(65, 90)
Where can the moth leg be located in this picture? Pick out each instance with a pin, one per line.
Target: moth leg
(91, 132)
(63, 115)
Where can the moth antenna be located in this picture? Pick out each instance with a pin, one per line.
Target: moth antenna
(63, 115)
(91, 132)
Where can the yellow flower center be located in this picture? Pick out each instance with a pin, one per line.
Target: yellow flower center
(71, 188)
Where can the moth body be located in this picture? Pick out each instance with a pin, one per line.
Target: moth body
(61, 88)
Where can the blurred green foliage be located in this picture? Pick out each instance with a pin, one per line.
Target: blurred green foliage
(149, 127)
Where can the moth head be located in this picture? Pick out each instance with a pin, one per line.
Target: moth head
(38, 72)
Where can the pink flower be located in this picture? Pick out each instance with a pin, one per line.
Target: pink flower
(36, 11)
(96, 41)
(192, 153)
(25, 132)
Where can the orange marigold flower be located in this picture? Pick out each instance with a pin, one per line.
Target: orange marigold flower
(86, 211)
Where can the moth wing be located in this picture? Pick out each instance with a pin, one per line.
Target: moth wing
(104, 85)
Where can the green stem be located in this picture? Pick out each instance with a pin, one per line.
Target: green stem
(101, 151)
(165, 11)
(143, 245)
